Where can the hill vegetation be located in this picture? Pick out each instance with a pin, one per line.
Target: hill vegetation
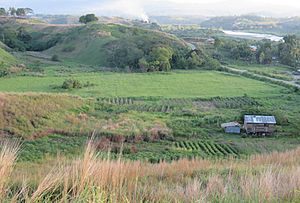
(7, 61)
(117, 46)
(281, 26)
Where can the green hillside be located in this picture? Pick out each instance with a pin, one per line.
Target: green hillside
(93, 44)
(6, 59)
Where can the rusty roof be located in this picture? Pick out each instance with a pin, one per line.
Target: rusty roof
(254, 119)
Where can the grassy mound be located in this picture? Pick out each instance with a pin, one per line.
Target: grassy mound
(23, 115)
(92, 44)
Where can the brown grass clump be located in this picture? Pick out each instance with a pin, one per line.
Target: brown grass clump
(8, 156)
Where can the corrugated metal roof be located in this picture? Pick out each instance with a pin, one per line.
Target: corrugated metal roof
(260, 119)
(231, 124)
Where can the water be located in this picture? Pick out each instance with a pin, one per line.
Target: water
(258, 36)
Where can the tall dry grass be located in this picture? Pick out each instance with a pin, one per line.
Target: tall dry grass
(261, 178)
(8, 156)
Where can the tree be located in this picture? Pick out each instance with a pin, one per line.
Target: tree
(88, 18)
(264, 53)
(123, 54)
(12, 11)
(218, 43)
(23, 35)
(241, 51)
(162, 57)
(28, 11)
(2, 12)
(23, 11)
(289, 51)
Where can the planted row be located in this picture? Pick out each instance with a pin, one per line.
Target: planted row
(209, 148)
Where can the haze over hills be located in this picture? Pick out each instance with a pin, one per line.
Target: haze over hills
(142, 9)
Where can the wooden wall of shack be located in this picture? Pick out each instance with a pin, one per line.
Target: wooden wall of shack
(259, 128)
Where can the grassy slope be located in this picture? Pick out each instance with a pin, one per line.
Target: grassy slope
(6, 58)
(176, 84)
(87, 44)
(23, 115)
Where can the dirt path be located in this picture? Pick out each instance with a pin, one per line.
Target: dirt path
(238, 71)
(295, 77)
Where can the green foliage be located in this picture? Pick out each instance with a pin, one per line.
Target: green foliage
(52, 145)
(71, 84)
(88, 18)
(124, 54)
(12, 11)
(289, 51)
(159, 59)
(75, 84)
(6, 61)
(264, 53)
(208, 148)
(2, 12)
(21, 37)
(242, 51)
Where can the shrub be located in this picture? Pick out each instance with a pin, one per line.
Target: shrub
(55, 57)
(75, 84)
(71, 84)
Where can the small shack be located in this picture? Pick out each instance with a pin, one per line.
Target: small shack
(259, 125)
(232, 127)
(253, 48)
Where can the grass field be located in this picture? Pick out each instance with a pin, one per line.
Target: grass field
(180, 84)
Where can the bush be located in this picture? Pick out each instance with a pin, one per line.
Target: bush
(55, 57)
(71, 84)
(75, 84)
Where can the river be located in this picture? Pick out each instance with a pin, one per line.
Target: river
(258, 36)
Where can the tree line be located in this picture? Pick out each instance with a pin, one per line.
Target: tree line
(12, 11)
(286, 52)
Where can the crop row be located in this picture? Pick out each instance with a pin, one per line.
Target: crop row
(177, 102)
(233, 102)
(117, 100)
(151, 108)
(209, 148)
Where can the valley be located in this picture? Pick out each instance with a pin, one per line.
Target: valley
(136, 100)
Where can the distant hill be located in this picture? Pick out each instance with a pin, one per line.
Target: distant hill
(178, 20)
(255, 23)
(58, 19)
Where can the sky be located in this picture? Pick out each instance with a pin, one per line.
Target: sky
(144, 8)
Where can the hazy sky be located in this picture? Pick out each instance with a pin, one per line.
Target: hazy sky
(140, 8)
